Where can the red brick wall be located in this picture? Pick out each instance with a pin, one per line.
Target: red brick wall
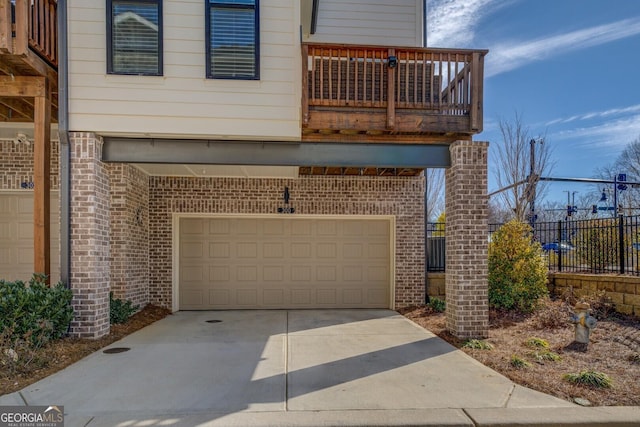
(466, 204)
(129, 220)
(399, 196)
(90, 231)
(16, 164)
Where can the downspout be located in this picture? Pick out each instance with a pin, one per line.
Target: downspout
(63, 133)
(424, 23)
(426, 246)
(314, 16)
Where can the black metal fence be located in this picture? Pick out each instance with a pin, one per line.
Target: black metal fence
(598, 246)
(435, 246)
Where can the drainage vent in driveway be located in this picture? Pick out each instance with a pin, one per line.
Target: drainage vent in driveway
(115, 350)
(213, 321)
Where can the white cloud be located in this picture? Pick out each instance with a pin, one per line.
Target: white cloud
(509, 56)
(612, 134)
(595, 115)
(452, 23)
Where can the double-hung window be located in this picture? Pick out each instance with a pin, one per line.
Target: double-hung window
(134, 37)
(233, 41)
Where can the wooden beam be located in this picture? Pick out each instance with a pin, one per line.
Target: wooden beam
(19, 106)
(23, 86)
(5, 113)
(42, 184)
(412, 121)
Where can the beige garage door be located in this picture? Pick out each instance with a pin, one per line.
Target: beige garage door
(16, 236)
(288, 262)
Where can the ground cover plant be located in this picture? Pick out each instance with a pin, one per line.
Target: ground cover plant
(563, 369)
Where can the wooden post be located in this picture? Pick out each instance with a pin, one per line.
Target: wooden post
(5, 26)
(21, 46)
(305, 85)
(41, 202)
(391, 93)
(476, 92)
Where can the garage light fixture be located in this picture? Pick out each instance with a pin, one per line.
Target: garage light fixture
(21, 138)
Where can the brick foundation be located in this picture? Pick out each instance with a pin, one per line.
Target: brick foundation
(90, 232)
(466, 246)
(121, 226)
(399, 196)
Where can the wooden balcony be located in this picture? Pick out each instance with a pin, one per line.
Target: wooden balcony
(29, 94)
(364, 93)
(28, 49)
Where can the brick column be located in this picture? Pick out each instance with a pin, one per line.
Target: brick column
(89, 228)
(466, 248)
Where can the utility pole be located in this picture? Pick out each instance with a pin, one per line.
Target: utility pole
(571, 203)
(532, 180)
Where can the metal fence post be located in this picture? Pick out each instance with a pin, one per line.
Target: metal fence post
(621, 244)
(559, 245)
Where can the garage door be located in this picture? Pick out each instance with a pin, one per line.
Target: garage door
(288, 262)
(16, 236)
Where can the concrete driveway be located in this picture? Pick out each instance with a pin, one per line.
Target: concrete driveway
(300, 367)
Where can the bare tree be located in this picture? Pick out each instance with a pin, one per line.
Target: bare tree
(628, 200)
(497, 213)
(629, 163)
(435, 192)
(629, 160)
(521, 161)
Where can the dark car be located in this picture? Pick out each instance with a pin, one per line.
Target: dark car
(555, 247)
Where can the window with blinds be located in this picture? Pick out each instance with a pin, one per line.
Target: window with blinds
(233, 41)
(134, 31)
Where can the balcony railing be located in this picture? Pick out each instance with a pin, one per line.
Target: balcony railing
(380, 89)
(29, 25)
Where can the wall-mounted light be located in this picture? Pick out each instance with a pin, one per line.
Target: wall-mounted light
(392, 62)
(21, 138)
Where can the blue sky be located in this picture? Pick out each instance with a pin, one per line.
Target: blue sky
(569, 67)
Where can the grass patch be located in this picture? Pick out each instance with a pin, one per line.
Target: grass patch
(478, 345)
(537, 343)
(546, 355)
(519, 363)
(590, 378)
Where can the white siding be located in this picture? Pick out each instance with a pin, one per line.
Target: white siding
(369, 22)
(182, 102)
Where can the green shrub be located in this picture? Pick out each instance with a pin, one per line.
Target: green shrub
(119, 310)
(478, 345)
(590, 378)
(437, 305)
(598, 243)
(35, 310)
(518, 362)
(517, 269)
(440, 225)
